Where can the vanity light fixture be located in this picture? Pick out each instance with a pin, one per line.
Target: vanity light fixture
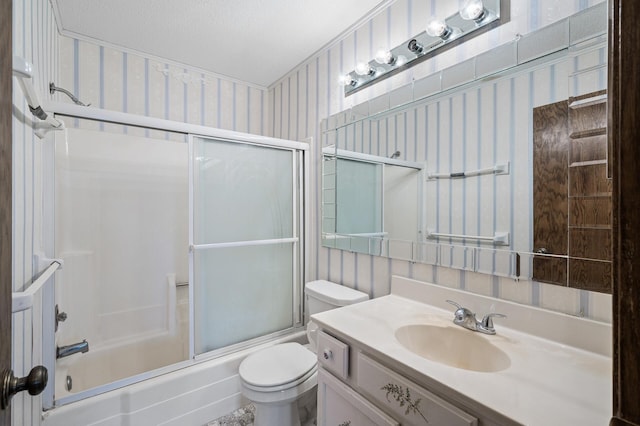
(474, 18)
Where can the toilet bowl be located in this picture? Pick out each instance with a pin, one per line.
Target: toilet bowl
(282, 378)
(275, 378)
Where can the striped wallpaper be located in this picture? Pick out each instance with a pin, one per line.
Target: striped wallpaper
(310, 93)
(117, 80)
(35, 39)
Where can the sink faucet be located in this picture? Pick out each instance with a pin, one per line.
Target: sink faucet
(63, 351)
(467, 319)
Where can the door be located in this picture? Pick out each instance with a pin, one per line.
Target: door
(246, 205)
(550, 192)
(624, 133)
(5, 192)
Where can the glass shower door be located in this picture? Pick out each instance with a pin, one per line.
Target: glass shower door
(245, 242)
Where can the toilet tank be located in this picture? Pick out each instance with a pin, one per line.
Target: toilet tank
(323, 295)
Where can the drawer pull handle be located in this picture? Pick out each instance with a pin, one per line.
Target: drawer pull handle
(327, 354)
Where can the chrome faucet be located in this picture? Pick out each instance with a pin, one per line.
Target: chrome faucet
(63, 351)
(467, 319)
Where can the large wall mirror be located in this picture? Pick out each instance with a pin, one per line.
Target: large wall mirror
(496, 165)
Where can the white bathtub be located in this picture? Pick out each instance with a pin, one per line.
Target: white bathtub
(110, 364)
(135, 353)
(192, 395)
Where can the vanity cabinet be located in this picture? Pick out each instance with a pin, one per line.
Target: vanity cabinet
(410, 403)
(365, 392)
(339, 405)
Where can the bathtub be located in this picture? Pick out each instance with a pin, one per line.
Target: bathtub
(133, 352)
(192, 395)
(110, 364)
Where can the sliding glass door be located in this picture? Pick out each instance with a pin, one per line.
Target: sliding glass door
(176, 248)
(245, 246)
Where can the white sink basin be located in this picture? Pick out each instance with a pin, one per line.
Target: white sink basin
(453, 346)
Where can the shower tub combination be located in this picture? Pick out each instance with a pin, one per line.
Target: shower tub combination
(166, 265)
(130, 358)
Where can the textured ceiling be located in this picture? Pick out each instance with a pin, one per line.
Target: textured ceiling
(256, 41)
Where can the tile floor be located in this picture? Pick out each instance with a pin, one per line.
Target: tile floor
(241, 417)
(244, 417)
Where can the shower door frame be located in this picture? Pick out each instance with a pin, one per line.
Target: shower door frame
(297, 239)
(301, 154)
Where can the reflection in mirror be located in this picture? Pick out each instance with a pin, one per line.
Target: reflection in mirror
(479, 188)
(363, 197)
(571, 174)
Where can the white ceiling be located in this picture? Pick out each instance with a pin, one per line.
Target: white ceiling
(255, 41)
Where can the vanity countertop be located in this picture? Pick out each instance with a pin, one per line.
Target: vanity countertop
(557, 374)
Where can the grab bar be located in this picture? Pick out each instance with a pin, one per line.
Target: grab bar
(498, 238)
(23, 300)
(368, 234)
(498, 169)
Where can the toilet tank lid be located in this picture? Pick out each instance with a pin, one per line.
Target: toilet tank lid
(333, 293)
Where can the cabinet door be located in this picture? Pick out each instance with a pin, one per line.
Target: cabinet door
(411, 404)
(550, 192)
(339, 405)
(333, 355)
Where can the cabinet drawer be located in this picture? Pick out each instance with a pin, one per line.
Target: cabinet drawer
(333, 355)
(339, 405)
(410, 403)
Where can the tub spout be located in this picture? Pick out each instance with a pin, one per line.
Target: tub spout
(63, 351)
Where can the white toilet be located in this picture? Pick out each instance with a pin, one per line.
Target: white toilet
(276, 379)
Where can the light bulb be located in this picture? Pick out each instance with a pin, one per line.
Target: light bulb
(473, 10)
(363, 68)
(438, 28)
(347, 80)
(384, 56)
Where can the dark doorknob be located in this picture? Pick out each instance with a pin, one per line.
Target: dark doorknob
(34, 383)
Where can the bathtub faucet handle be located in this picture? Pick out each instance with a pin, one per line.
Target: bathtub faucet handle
(80, 347)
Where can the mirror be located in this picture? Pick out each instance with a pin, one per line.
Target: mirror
(481, 199)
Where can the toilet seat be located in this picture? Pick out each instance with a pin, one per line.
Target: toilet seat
(278, 368)
(284, 386)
